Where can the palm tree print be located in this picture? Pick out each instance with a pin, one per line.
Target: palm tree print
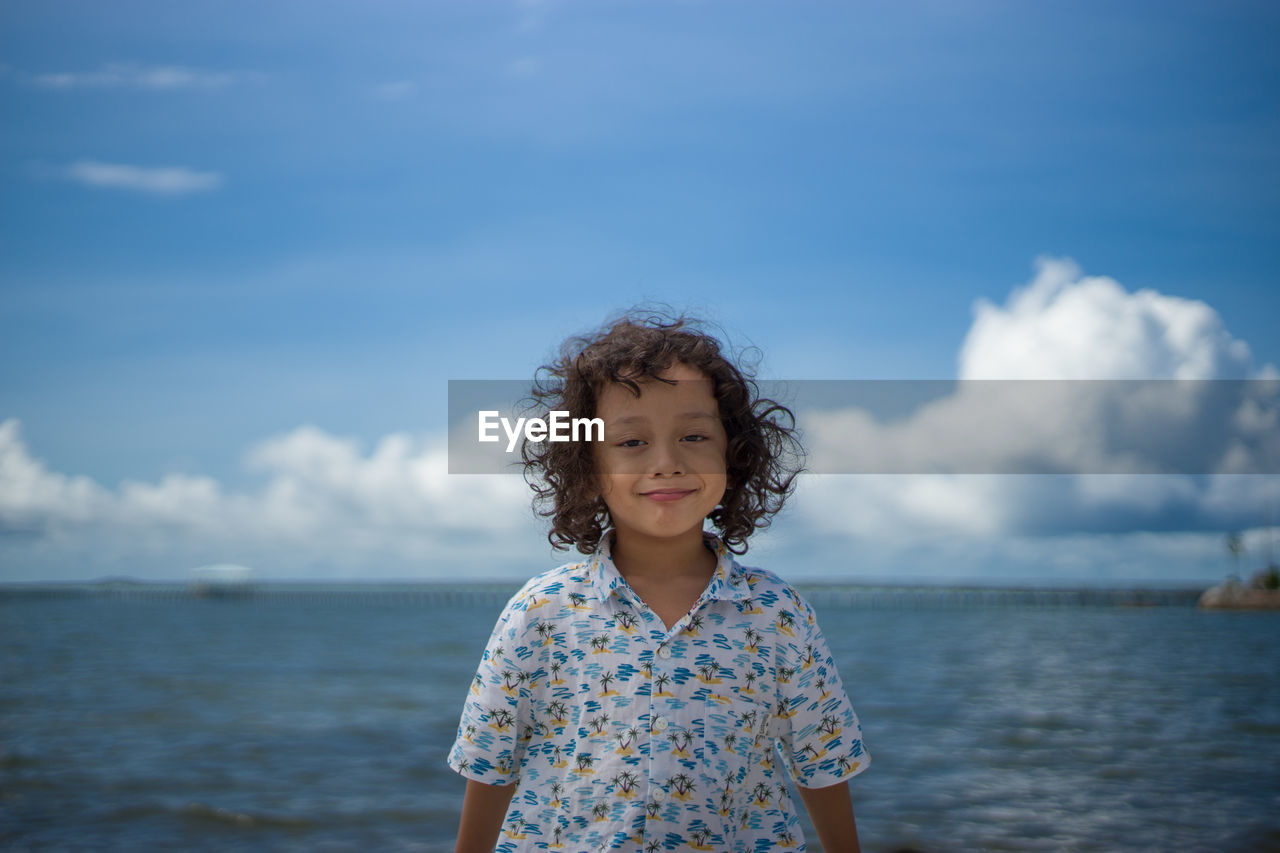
(845, 763)
(707, 671)
(625, 738)
(695, 624)
(501, 719)
(600, 644)
(511, 681)
(605, 681)
(681, 786)
(600, 810)
(556, 667)
(680, 741)
(517, 828)
(787, 621)
(627, 622)
(784, 674)
(807, 660)
(652, 846)
(577, 601)
(557, 711)
(660, 681)
(557, 790)
(546, 631)
(752, 638)
(584, 762)
(598, 723)
(762, 794)
(830, 727)
(699, 838)
(624, 784)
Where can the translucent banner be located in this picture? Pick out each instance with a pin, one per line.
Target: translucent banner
(1190, 427)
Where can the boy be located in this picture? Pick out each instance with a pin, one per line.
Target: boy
(633, 701)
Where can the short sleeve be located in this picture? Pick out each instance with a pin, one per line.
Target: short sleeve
(496, 717)
(821, 737)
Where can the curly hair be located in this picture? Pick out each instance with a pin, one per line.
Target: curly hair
(762, 458)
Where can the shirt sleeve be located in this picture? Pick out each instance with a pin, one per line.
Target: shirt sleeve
(821, 739)
(496, 716)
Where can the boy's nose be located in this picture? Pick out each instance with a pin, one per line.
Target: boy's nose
(666, 459)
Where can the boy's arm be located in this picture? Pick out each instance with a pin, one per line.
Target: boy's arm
(483, 808)
(831, 811)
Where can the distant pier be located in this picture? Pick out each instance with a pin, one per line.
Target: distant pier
(495, 594)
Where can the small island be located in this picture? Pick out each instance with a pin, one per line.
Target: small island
(1261, 593)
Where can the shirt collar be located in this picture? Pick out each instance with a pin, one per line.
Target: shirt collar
(728, 581)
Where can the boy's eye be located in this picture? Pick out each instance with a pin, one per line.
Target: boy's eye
(696, 437)
(631, 442)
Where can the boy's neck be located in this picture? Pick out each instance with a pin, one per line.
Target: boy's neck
(646, 558)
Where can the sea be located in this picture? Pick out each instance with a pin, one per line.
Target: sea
(318, 718)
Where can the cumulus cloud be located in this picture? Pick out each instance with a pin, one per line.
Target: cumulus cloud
(324, 505)
(125, 75)
(1066, 325)
(32, 497)
(1062, 327)
(163, 180)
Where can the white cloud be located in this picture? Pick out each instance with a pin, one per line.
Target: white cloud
(324, 507)
(1065, 325)
(31, 496)
(124, 75)
(163, 180)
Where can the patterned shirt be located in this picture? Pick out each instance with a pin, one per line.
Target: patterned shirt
(625, 735)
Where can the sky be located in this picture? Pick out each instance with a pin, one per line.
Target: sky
(244, 247)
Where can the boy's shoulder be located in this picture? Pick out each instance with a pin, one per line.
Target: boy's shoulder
(771, 592)
(565, 582)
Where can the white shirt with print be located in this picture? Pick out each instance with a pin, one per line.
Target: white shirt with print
(626, 736)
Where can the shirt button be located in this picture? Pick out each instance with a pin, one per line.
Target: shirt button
(659, 724)
(664, 651)
(659, 795)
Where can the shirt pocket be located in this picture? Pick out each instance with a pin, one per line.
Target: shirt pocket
(735, 736)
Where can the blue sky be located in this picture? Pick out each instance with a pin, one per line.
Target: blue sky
(239, 232)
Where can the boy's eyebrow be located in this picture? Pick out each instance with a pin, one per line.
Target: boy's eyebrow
(686, 415)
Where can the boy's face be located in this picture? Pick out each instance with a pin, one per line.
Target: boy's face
(662, 462)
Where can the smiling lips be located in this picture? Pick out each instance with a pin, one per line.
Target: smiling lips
(665, 495)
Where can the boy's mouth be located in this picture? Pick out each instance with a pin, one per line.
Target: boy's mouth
(667, 494)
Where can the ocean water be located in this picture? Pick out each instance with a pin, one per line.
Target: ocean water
(320, 720)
